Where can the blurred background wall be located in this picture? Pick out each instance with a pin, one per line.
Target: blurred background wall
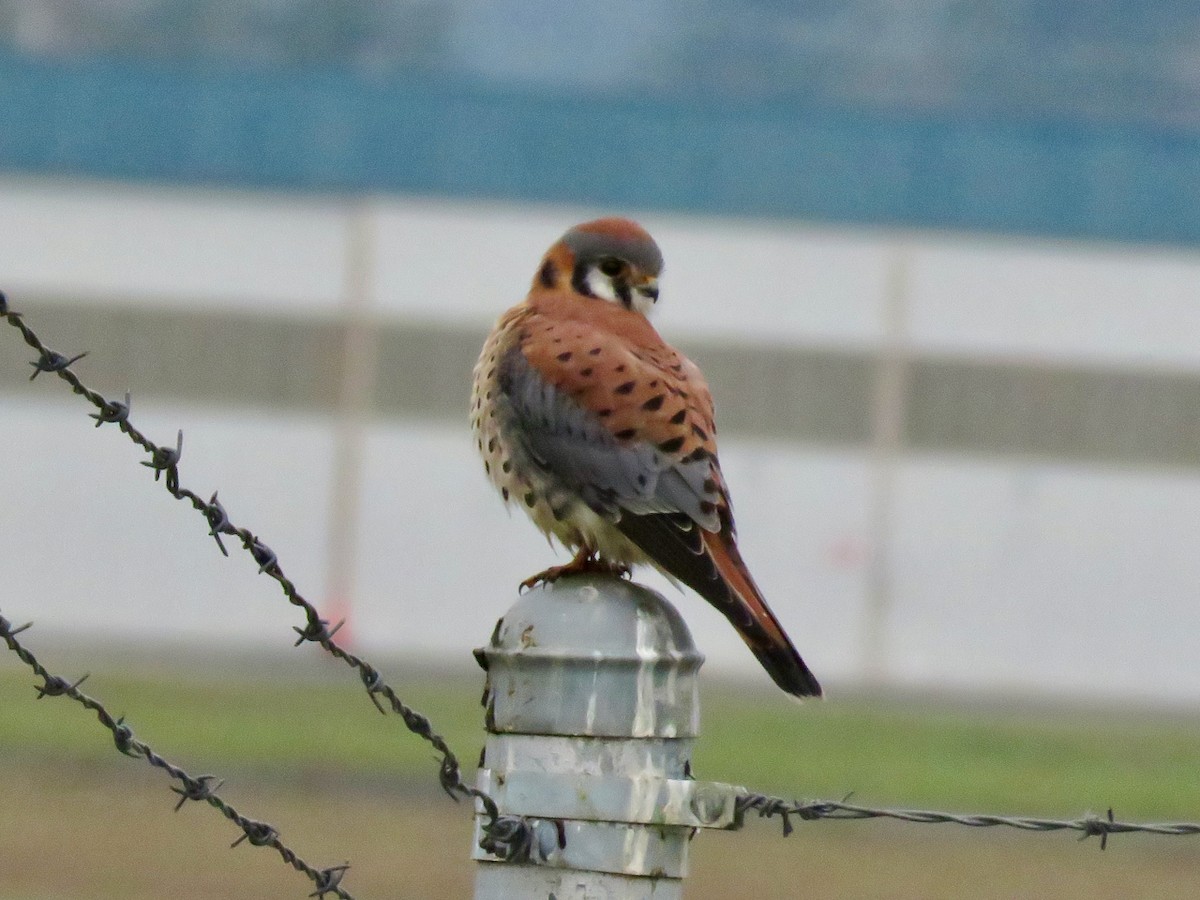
(937, 259)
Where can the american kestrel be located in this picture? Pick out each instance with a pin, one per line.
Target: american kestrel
(604, 434)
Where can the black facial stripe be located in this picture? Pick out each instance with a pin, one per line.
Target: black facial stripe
(579, 279)
(624, 292)
(549, 274)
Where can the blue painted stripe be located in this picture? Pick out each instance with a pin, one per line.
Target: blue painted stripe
(330, 130)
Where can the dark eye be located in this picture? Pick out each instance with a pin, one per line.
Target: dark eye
(611, 266)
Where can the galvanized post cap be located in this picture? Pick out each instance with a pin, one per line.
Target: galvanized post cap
(593, 655)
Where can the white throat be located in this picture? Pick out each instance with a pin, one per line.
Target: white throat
(642, 303)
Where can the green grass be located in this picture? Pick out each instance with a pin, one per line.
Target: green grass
(302, 748)
(314, 715)
(248, 718)
(1040, 761)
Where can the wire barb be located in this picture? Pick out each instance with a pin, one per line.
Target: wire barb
(218, 521)
(50, 361)
(112, 411)
(165, 459)
(199, 788)
(264, 556)
(52, 685)
(123, 738)
(329, 879)
(317, 632)
(510, 838)
(373, 682)
(260, 834)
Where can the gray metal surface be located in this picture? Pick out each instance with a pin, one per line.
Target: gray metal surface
(520, 882)
(592, 709)
(593, 656)
(611, 798)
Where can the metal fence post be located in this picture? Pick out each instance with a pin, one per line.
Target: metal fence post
(592, 710)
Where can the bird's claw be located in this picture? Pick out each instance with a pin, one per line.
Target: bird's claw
(584, 563)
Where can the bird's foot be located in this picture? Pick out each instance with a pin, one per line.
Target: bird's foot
(584, 563)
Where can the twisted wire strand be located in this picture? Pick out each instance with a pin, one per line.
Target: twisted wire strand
(811, 810)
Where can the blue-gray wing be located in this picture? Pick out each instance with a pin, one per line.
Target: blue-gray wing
(576, 451)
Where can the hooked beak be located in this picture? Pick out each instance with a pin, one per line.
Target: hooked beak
(648, 289)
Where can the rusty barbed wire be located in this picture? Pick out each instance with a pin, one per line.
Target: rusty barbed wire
(501, 834)
(811, 810)
(200, 788)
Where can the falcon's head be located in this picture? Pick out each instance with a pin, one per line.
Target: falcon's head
(609, 259)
